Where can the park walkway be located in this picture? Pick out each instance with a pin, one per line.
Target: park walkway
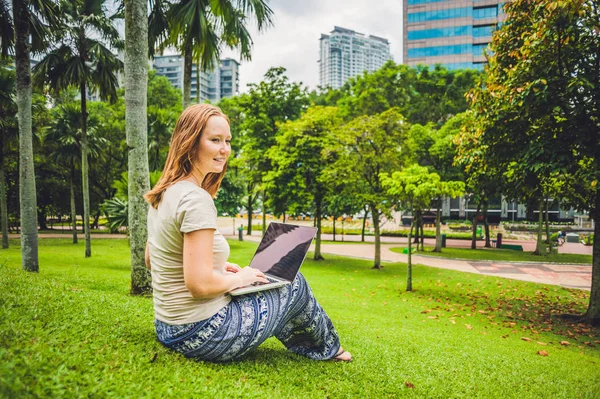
(565, 275)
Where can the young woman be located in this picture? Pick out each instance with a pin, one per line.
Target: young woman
(188, 259)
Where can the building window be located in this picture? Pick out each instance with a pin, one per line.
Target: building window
(485, 12)
(439, 51)
(440, 14)
(483, 31)
(439, 32)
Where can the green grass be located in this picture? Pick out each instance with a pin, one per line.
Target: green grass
(501, 254)
(72, 330)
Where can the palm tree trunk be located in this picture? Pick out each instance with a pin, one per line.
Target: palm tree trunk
(197, 82)
(73, 209)
(592, 315)
(3, 203)
(136, 82)
(375, 217)
(547, 223)
(187, 76)
(84, 173)
(27, 192)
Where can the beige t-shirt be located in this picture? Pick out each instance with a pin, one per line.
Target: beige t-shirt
(184, 208)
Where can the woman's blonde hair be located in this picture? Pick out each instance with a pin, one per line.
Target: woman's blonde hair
(183, 152)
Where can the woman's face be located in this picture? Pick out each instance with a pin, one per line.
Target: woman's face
(215, 145)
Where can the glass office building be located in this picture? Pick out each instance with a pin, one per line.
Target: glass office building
(454, 33)
(345, 53)
(223, 81)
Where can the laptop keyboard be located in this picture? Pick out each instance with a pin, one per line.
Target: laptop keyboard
(261, 283)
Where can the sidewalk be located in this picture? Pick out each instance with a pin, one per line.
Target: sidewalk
(564, 275)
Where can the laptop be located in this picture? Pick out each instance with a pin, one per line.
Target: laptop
(279, 255)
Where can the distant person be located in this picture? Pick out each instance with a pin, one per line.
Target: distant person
(188, 259)
(561, 238)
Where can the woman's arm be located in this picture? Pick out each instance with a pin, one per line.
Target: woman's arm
(200, 278)
(147, 256)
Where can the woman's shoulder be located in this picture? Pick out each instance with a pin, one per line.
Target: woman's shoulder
(185, 191)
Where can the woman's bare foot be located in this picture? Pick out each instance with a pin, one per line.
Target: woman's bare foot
(343, 356)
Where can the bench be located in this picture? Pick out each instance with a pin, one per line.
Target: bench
(513, 247)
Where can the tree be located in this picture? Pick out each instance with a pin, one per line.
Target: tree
(81, 61)
(537, 110)
(414, 187)
(199, 28)
(65, 131)
(23, 17)
(299, 164)
(366, 147)
(267, 104)
(136, 84)
(8, 134)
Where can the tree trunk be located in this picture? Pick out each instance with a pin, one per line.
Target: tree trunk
(375, 217)
(592, 316)
(3, 203)
(362, 234)
(417, 216)
(475, 219)
(41, 219)
(421, 222)
(85, 188)
(318, 255)
(187, 76)
(136, 82)
(409, 269)
(250, 210)
(264, 213)
(548, 238)
(197, 82)
(334, 228)
(73, 209)
(27, 191)
(539, 248)
(438, 222)
(486, 225)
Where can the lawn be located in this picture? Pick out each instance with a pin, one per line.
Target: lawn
(73, 331)
(501, 254)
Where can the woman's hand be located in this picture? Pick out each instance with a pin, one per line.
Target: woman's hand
(232, 267)
(249, 276)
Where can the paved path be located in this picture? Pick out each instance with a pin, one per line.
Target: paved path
(565, 275)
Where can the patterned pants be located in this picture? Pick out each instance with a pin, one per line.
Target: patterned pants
(290, 313)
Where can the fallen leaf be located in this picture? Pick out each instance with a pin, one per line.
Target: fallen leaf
(468, 326)
(542, 343)
(525, 339)
(542, 353)
(564, 343)
(409, 384)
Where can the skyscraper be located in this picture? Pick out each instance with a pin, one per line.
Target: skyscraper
(346, 53)
(221, 82)
(453, 33)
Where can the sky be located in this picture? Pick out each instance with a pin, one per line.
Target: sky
(293, 40)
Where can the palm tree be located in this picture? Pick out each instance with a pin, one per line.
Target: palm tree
(27, 17)
(199, 28)
(8, 134)
(136, 100)
(80, 60)
(65, 132)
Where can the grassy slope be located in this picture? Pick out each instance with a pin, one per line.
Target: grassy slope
(502, 254)
(72, 330)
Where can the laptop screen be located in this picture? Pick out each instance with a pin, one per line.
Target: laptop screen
(283, 249)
